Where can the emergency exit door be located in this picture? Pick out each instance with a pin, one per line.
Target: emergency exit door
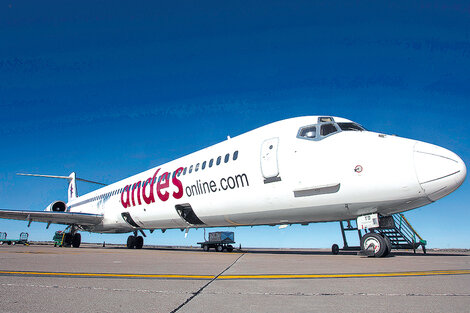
(269, 160)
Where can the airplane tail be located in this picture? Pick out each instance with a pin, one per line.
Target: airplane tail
(72, 188)
(72, 191)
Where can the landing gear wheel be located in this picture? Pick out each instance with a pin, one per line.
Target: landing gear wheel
(375, 242)
(67, 242)
(229, 248)
(219, 248)
(139, 242)
(205, 248)
(335, 249)
(76, 240)
(388, 244)
(130, 242)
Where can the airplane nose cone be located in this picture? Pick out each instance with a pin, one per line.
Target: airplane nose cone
(439, 171)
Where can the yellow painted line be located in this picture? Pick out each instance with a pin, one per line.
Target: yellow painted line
(396, 274)
(109, 275)
(268, 276)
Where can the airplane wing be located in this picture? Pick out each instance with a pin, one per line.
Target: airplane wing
(66, 218)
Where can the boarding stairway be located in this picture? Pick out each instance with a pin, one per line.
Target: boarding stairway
(402, 235)
(397, 228)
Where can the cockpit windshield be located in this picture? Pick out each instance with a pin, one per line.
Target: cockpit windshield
(308, 132)
(350, 126)
(325, 127)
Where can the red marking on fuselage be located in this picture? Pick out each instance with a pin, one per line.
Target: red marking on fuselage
(132, 197)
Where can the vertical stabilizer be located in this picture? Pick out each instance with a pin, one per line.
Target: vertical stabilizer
(72, 191)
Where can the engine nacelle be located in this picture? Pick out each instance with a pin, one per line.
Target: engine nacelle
(57, 206)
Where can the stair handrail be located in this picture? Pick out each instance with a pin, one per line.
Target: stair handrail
(407, 233)
(411, 227)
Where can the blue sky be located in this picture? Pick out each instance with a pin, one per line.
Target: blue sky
(111, 88)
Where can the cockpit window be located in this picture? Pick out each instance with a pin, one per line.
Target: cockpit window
(350, 126)
(327, 129)
(308, 132)
(325, 119)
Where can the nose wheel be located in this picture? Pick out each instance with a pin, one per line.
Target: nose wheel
(374, 245)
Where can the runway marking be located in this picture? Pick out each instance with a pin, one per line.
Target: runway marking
(235, 277)
(105, 275)
(363, 275)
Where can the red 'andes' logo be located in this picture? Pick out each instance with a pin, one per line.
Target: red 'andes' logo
(133, 192)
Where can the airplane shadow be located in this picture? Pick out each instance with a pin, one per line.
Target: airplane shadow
(394, 253)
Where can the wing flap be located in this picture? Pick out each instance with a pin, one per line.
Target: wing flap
(65, 218)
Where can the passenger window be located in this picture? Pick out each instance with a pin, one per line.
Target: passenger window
(190, 169)
(235, 155)
(197, 168)
(211, 162)
(218, 160)
(309, 132)
(327, 129)
(203, 165)
(227, 157)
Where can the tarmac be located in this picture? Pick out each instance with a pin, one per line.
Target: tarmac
(159, 279)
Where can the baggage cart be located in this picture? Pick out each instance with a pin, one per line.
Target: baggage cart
(22, 240)
(219, 241)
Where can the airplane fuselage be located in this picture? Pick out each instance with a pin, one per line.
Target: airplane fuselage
(300, 170)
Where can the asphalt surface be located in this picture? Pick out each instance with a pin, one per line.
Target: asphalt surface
(115, 279)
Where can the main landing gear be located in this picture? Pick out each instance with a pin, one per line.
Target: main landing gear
(135, 241)
(69, 237)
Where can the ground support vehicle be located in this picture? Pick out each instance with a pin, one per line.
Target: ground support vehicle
(22, 240)
(219, 241)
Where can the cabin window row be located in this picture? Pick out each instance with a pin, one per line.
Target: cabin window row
(196, 168)
(103, 196)
(208, 164)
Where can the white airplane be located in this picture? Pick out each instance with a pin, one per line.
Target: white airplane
(295, 171)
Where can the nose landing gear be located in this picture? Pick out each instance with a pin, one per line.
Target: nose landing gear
(375, 245)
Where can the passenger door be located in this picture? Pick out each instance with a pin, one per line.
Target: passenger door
(269, 160)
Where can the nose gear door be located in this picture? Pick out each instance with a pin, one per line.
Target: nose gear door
(269, 160)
